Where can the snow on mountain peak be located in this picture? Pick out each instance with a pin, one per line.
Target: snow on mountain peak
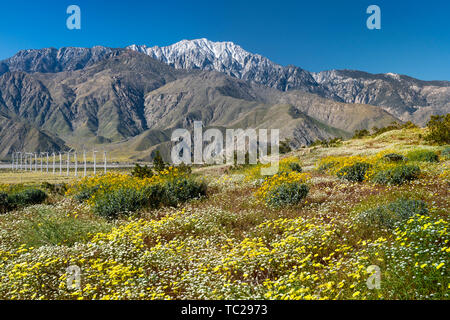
(207, 55)
(231, 59)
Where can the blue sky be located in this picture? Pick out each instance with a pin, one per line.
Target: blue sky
(316, 35)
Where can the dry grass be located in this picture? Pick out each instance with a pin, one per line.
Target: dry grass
(36, 177)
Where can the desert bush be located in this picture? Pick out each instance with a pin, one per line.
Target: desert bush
(126, 200)
(394, 157)
(397, 175)
(141, 172)
(446, 153)
(423, 155)
(439, 127)
(158, 162)
(330, 143)
(48, 186)
(18, 199)
(253, 172)
(361, 134)
(388, 215)
(287, 194)
(58, 188)
(86, 193)
(5, 205)
(323, 167)
(284, 147)
(182, 190)
(294, 166)
(153, 196)
(355, 172)
(117, 202)
(241, 166)
(184, 169)
(27, 197)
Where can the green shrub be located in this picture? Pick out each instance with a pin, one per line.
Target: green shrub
(86, 194)
(284, 147)
(27, 197)
(182, 190)
(126, 200)
(287, 194)
(397, 175)
(446, 153)
(423, 155)
(5, 205)
(331, 143)
(184, 169)
(158, 162)
(295, 167)
(325, 166)
(388, 215)
(48, 186)
(23, 198)
(121, 201)
(361, 134)
(153, 196)
(394, 157)
(335, 142)
(439, 127)
(141, 172)
(355, 172)
(58, 188)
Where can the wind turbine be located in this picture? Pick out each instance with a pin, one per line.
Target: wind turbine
(95, 162)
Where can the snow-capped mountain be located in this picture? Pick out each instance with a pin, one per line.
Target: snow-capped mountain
(403, 96)
(231, 59)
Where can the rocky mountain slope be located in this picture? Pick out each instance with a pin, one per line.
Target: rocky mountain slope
(231, 59)
(129, 96)
(51, 60)
(16, 135)
(404, 97)
(103, 102)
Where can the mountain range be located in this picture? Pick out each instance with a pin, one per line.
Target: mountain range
(128, 100)
(407, 98)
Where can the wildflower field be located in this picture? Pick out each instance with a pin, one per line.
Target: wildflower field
(325, 224)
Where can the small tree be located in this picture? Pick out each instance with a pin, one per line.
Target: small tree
(285, 147)
(158, 162)
(439, 127)
(361, 133)
(141, 172)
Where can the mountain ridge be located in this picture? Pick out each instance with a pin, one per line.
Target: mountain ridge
(407, 98)
(130, 94)
(103, 95)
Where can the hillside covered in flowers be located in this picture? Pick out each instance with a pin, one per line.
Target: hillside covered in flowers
(321, 228)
